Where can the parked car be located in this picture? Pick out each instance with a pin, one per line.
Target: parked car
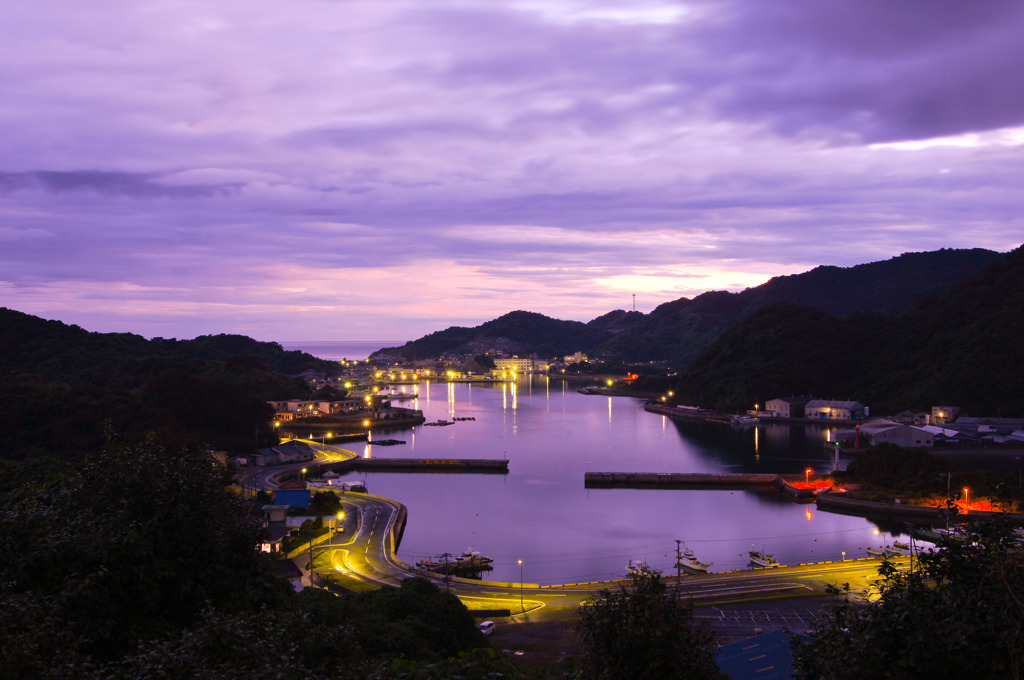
(487, 627)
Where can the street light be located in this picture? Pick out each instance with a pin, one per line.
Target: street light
(521, 606)
(967, 498)
(807, 476)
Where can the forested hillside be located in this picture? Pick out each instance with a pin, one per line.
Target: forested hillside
(960, 346)
(523, 332)
(66, 390)
(678, 331)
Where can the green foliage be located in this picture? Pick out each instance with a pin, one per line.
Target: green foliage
(888, 466)
(485, 361)
(68, 389)
(325, 503)
(959, 614)
(478, 664)
(958, 347)
(683, 329)
(643, 632)
(527, 331)
(139, 542)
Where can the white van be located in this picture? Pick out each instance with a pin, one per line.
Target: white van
(487, 627)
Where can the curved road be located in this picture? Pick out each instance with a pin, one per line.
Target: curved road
(366, 558)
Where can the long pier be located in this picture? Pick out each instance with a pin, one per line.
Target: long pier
(694, 480)
(479, 465)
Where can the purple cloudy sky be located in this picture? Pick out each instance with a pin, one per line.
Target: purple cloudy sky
(331, 170)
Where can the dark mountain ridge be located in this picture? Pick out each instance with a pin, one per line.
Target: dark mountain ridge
(680, 330)
(67, 390)
(958, 345)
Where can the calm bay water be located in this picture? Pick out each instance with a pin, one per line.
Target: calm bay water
(542, 514)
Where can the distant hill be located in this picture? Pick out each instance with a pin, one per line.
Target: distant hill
(961, 345)
(66, 389)
(680, 330)
(516, 332)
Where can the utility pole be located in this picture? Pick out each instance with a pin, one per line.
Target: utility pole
(679, 568)
(447, 573)
(634, 302)
(310, 536)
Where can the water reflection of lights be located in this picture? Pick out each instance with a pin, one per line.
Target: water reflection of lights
(809, 515)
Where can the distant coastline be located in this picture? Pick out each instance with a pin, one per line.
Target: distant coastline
(336, 350)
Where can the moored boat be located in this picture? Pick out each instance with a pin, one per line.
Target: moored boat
(688, 562)
(763, 559)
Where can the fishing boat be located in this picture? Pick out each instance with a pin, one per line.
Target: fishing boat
(875, 552)
(472, 558)
(470, 563)
(763, 559)
(689, 563)
(901, 545)
(636, 568)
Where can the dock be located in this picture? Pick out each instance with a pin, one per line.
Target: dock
(475, 465)
(695, 480)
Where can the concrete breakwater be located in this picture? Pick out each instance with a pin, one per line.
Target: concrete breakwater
(925, 514)
(691, 480)
(413, 465)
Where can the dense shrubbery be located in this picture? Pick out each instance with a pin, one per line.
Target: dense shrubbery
(138, 564)
(960, 613)
(643, 632)
(957, 347)
(66, 389)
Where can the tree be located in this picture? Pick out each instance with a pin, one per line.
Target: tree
(641, 631)
(138, 543)
(959, 614)
(325, 503)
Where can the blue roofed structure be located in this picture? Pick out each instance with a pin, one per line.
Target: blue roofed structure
(297, 498)
(765, 657)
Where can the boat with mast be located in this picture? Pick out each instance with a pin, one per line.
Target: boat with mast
(689, 563)
(763, 559)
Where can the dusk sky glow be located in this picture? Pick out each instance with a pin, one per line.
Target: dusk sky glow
(330, 170)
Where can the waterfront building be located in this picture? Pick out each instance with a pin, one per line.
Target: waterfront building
(882, 431)
(826, 409)
(788, 407)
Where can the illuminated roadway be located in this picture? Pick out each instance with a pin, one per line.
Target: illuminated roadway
(365, 558)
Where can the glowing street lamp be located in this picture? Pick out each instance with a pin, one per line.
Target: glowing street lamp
(807, 476)
(521, 606)
(967, 498)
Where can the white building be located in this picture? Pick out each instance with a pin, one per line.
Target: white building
(788, 407)
(826, 409)
(883, 431)
(514, 364)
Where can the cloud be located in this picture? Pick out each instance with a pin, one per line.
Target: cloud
(364, 167)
